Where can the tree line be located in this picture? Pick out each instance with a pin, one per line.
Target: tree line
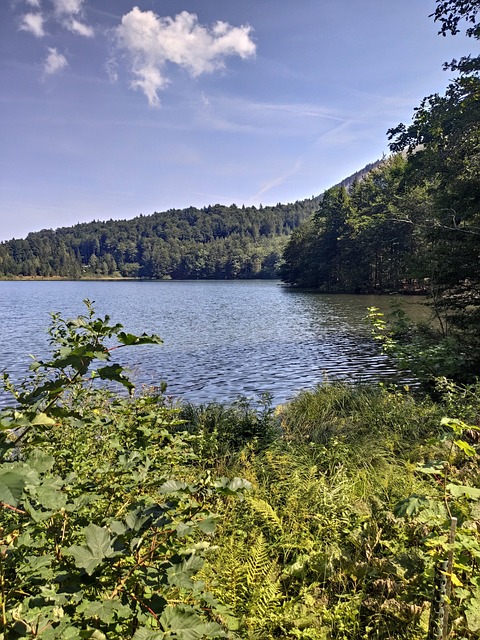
(213, 242)
(412, 224)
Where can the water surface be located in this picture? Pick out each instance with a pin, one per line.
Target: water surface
(222, 339)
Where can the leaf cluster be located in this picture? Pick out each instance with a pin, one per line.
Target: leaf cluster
(100, 537)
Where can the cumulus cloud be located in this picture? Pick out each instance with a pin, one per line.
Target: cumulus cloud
(33, 23)
(54, 62)
(67, 11)
(34, 3)
(152, 41)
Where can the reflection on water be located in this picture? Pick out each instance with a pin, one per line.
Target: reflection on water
(222, 339)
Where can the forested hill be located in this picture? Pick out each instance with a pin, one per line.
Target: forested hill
(413, 222)
(212, 242)
(349, 182)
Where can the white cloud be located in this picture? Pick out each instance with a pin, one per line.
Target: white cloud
(66, 10)
(278, 180)
(33, 23)
(54, 62)
(34, 3)
(79, 28)
(111, 69)
(68, 7)
(152, 42)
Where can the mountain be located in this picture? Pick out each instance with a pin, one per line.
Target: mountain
(358, 175)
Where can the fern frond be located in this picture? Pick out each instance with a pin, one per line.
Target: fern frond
(266, 512)
(258, 562)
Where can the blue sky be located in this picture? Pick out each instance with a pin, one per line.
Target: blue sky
(112, 108)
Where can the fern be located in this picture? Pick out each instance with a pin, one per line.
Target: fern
(258, 561)
(267, 514)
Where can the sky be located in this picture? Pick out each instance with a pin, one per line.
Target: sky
(116, 108)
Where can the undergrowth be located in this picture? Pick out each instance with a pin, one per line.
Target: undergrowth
(324, 519)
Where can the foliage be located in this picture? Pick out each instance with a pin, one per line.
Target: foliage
(336, 539)
(454, 496)
(221, 431)
(114, 526)
(451, 12)
(426, 352)
(213, 242)
(359, 240)
(100, 536)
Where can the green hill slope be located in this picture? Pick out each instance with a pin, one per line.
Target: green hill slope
(213, 242)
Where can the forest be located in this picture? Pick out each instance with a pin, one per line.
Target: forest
(213, 242)
(412, 223)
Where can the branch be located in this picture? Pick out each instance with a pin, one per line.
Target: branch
(438, 225)
(9, 506)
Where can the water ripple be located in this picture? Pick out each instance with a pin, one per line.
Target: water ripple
(222, 339)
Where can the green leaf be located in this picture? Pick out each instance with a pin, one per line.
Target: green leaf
(466, 448)
(208, 524)
(129, 339)
(184, 528)
(180, 574)
(411, 506)
(457, 426)
(432, 468)
(40, 461)
(37, 566)
(12, 484)
(50, 497)
(147, 634)
(189, 626)
(106, 610)
(459, 490)
(98, 548)
(115, 373)
(172, 486)
(92, 634)
(42, 419)
(472, 614)
(233, 486)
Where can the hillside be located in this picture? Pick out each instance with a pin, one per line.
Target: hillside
(213, 242)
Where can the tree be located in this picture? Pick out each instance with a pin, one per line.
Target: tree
(443, 147)
(451, 12)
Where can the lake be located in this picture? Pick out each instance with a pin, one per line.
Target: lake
(222, 339)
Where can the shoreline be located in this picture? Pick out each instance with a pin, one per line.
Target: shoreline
(408, 293)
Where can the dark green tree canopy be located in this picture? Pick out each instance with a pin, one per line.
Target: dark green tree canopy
(450, 13)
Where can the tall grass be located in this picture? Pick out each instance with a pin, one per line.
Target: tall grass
(332, 560)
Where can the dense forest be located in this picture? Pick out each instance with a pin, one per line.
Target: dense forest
(213, 242)
(411, 224)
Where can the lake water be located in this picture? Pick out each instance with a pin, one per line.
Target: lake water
(222, 339)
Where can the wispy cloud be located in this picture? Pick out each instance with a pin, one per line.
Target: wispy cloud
(151, 42)
(265, 118)
(68, 7)
(277, 180)
(68, 12)
(33, 23)
(78, 27)
(54, 62)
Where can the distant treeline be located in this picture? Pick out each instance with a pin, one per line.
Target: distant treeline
(213, 242)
